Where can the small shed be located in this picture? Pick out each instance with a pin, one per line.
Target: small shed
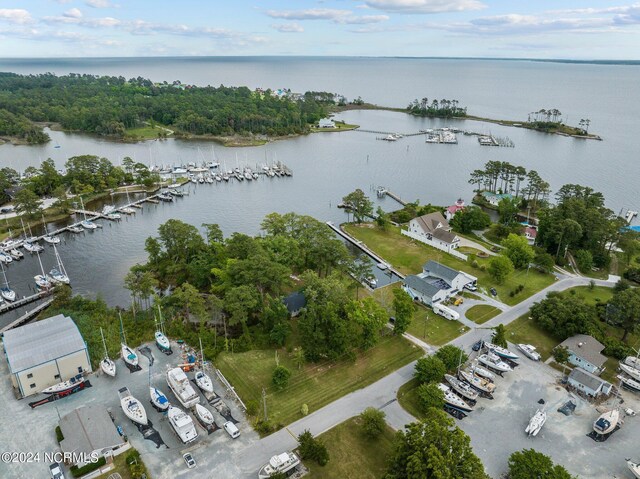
(295, 302)
(588, 383)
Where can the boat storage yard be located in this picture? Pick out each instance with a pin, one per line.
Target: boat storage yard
(497, 427)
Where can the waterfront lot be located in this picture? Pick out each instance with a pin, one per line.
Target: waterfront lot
(496, 427)
(27, 430)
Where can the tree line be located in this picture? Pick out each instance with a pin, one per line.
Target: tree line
(437, 108)
(108, 105)
(18, 126)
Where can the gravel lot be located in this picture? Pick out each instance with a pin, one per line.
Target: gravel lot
(496, 427)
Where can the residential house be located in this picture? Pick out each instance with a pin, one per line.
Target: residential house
(436, 283)
(495, 198)
(295, 302)
(451, 211)
(585, 352)
(530, 232)
(433, 229)
(588, 383)
(326, 123)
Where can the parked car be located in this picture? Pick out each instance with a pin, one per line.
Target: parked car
(493, 292)
(6, 210)
(477, 345)
(189, 460)
(471, 287)
(56, 471)
(231, 429)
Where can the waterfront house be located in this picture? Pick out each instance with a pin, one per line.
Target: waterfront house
(495, 198)
(451, 211)
(585, 352)
(89, 430)
(588, 383)
(530, 232)
(326, 123)
(433, 229)
(45, 353)
(436, 283)
(295, 302)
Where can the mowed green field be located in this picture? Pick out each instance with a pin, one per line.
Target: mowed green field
(481, 313)
(315, 385)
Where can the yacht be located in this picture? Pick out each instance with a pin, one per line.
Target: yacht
(180, 386)
(461, 387)
(633, 372)
(628, 383)
(480, 371)
(7, 293)
(536, 423)
(182, 424)
(607, 422)
(42, 281)
(204, 381)
(132, 408)
(454, 400)
(32, 247)
(74, 229)
(5, 258)
(529, 351)
(58, 277)
(500, 351)
(16, 254)
(632, 361)
(493, 361)
(88, 225)
(128, 355)
(281, 463)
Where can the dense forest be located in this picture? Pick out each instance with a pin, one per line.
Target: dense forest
(437, 109)
(109, 105)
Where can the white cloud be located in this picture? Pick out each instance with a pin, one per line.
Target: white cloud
(15, 15)
(425, 6)
(83, 21)
(99, 3)
(288, 28)
(336, 16)
(72, 13)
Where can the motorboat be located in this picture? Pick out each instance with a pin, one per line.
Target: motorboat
(162, 341)
(129, 355)
(606, 422)
(493, 361)
(75, 229)
(181, 387)
(370, 281)
(158, 399)
(32, 247)
(5, 258)
(461, 387)
(16, 254)
(536, 423)
(132, 407)
(51, 239)
(529, 351)
(182, 424)
(633, 372)
(42, 281)
(481, 384)
(108, 366)
(454, 400)
(628, 383)
(64, 386)
(634, 467)
(58, 277)
(204, 381)
(281, 463)
(204, 415)
(480, 371)
(88, 225)
(165, 197)
(500, 351)
(632, 361)
(127, 210)
(114, 215)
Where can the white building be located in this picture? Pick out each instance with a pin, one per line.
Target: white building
(326, 123)
(45, 353)
(588, 383)
(436, 283)
(433, 229)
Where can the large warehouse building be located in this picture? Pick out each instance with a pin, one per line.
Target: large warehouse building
(45, 353)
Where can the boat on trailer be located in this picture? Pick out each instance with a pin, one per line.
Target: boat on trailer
(461, 387)
(634, 467)
(633, 372)
(64, 386)
(529, 351)
(132, 407)
(500, 351)
(629, 383)
(454, 400)
(493, 361)
(481, 384)
(607, 422)
(158, 399)
(204, 415)
(280, 463)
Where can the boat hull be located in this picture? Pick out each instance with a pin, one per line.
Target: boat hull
(129, 356)
(108, 367)
(633, 372)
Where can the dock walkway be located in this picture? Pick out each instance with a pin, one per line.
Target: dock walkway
(29, 314)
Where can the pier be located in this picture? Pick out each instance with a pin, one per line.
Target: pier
(29, 314)
(395, 197)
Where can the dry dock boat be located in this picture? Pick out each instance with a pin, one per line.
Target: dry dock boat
(529, 351)
(64, 386)
(282, 463)
(453, 400)
(500, 351)
(607, 422)
(462, 388)
(493, 361)
(182, 424)
(131, 407)
(481, 384)
(204, 415)
(536, 423)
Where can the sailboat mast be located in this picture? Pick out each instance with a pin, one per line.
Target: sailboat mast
(124, 338)
(201, 353)
(4, 273)
(59, 261)
(104, 344)
(40, 261)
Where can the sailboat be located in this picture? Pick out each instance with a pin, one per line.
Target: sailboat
(107, 365)
(59, 274)
(461, 387)
(158, 399)
(6, 292)
(47, 237)
(536, 423)
(204, 415)
(132, 407)
(453, 400)
(161, 340)
(86, 224)
(42, 280)
(631, 371)
(480, 371)
(202, 379)
(481, 384)
(500, 351)
(606, 422)
(129, 355)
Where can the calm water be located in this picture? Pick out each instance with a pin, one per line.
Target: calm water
(328, 166)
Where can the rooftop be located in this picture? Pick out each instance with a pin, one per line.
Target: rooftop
(88, 429)
(586, 347)
(295, 301)
(587, 379)
(41, 341)
(433, 268)
(421, 285)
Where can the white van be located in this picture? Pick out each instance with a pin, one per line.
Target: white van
(445, 312)
(231, 429)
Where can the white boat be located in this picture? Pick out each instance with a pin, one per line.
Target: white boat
(631, 384)
(633, 372)
(493, 361)
(88, 225)
(480, 371)
(127, 211)
(634, 467)
(58, 277)
(162, 341)
(529, 351)
(5, 291)
(129, 355)
(16, 254)
(204, 381)
(132, 408)
(182, 424)
(5, 258)
(32, 247)
(462, 388)
(114, 215)
(453, 400)
(107, 365)
(204, 414)
(607, 422)
(158, 399)
(500, 351)
(481, 384)
(281, 463)
(64, 386)
(42, 281)
(75, 229)
(536, 423)
(181, 387)
(632, 361)
(51, 239)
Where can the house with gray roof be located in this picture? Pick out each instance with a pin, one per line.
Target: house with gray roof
(433, 229)
(89, 430)
(585, 352)
(436, 283)
(588, 383)
(44, 353)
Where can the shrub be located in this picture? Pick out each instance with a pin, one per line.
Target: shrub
(373, 423)
(561, 354)
(311, 448)
(429, 369)
(87, 468)
(252, 407)
(632, 274)
(304, 410)
(59, 435)
(280, 378)
(263, 427)
(584, 260)
(616, 348)
(474, 264)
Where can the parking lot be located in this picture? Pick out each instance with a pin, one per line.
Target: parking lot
(27, 430)
(496, 427)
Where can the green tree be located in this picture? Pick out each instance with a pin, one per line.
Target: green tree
(190, 302)
(500, 267)
(584, 260)
(403, 308)
(624, 310)
(27, 202)
(280, 377)
(563, 316)
(430, 396)
(544, 262)
(382, 219)
(517, 249)
(62, 202)
(508, 208)
(561, 354)
(311, 448)
(368, 318)
(372, 422)
(499, 338)
(430, 369)
(240, 302)
(432, 449)
(360, 205)
(451, 356)
(528, 464)
(469, 219)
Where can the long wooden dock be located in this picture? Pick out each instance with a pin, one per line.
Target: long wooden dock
(395, 197)
(28, 314)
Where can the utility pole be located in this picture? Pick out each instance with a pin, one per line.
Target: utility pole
(264, 404)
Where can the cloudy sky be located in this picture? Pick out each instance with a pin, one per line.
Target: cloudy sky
(586, 29)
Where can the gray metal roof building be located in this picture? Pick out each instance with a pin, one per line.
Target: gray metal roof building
(433, 268)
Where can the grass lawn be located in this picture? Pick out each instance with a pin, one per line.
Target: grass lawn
(313, 384)
(145, 132)
(481, 313)
(408, 398)
(597, 294)
(525, 330)
(352, 454)
(434, 329)
(340, 126)
(121, 467)
(408, 256)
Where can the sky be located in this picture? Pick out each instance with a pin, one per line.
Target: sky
(567, 29)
